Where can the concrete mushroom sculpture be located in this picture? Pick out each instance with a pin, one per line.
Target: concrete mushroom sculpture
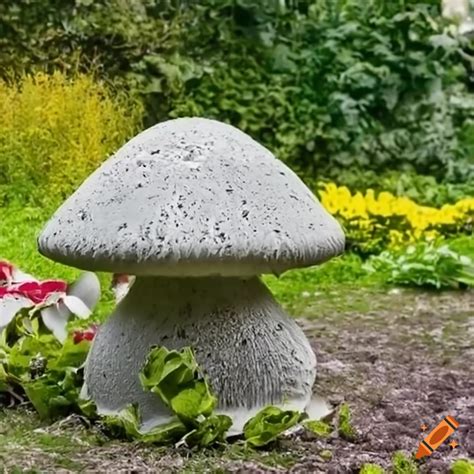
(197, 210)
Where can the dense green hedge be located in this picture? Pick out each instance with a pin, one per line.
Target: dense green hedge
(326, 84)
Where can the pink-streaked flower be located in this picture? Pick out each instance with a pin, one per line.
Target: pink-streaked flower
(6, 271)
(37, 292)
(10, 275)
(85, 335)
(53, 299)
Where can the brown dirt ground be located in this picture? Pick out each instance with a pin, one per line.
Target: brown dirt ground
(408, 363)
(405, 361)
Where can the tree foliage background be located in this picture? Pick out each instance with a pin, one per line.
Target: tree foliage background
(326, 84)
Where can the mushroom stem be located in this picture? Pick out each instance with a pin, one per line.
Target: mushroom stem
(252, 353)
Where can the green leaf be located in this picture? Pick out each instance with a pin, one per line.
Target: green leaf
(424, 264)
(72, 355)
(127, 423)
(209, 431)
(28, 348)
(88, 408)
(47, 397)
(401, 464)
(175, 378)
(462, 466)
(172, 431)
(371, 469)
(4, 384)
(49, 373)
(319, 428)
(268, 424)
(166, 372)
(194, 401)
(346, 429)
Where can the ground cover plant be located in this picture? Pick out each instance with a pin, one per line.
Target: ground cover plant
(425, 264)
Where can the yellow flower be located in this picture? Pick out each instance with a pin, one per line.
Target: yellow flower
(390, 220)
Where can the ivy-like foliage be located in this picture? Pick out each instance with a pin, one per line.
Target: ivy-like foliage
(326, 84)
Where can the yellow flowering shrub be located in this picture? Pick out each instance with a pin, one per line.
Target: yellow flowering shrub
(374, 222)
(55, 130)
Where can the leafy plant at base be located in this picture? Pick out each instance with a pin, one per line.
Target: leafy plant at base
(127, 423)
(268, 424)
(425, 264)
(48, 373)
(174, 376)
(48, 369)
(371, 469)
(345, 428)
(462, 466)
(56, 392)
(318, 427)
(402, 464)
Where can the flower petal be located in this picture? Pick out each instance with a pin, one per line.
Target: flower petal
(30, 289)
(19, 277)
(87, 289)
(9, 307)
(76, 306)
(52, 299)
(54, 320)
(6, 270)
(53, 286)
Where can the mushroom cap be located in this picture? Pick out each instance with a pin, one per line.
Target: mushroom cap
(192, 197)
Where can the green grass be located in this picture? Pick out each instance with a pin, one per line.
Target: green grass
(23, 430)
(296, 288)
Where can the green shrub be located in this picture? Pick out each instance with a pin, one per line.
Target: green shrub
(395, 98)
(326, 85)
(424, 189)
(425, 264)
(54, 131)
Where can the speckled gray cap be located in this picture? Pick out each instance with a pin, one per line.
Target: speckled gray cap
(192, 197)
